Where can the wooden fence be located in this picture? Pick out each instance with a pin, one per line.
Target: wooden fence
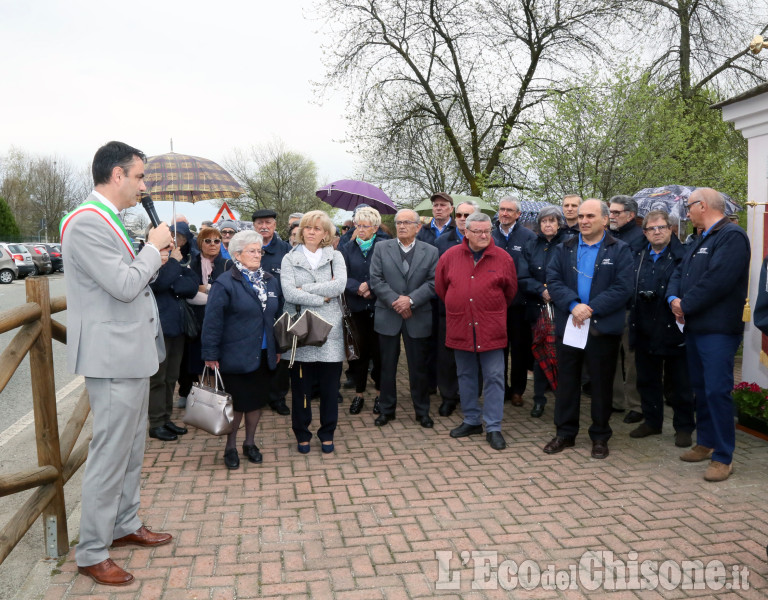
(57, 458)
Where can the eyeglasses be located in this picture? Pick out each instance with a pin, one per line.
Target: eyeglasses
(616, 213)
(655, 228)
(212, 241)
(358, 226)
(345, 228)
(461, 215)
(480, 232)
(688, 206)
(253, 252)
(404, 223)
(228, 232)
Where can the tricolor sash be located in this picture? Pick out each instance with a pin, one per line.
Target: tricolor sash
(105, 213)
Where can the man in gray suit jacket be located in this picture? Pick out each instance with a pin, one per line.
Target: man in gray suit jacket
(114, 340)
(403, 279)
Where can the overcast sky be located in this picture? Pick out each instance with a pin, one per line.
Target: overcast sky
(213, 76)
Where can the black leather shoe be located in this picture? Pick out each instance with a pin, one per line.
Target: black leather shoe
(356, 406)
(161, 433)
(466, 429)
(280, 407)
(252, 453)
(231, 459)
(537, 410)
(633, 417)
(426, 421)
(348, 384)
(496, 440)
(558, 444)
(383, 420)
(446, 408)
(643, 430)
(173, 428)
(599, 449)
(376, 407)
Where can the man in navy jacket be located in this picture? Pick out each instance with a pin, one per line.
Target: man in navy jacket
(707, 293)
(589, 279)
(511, 236)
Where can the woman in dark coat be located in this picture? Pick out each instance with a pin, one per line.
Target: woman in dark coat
(207, 265)
(238, 338)
(361, 300)
(532, 277)
(173, 285)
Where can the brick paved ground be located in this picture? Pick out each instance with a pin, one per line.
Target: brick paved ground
(367, 521)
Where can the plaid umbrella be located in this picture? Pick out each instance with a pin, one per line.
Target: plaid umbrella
(188, 179)
(544, 345)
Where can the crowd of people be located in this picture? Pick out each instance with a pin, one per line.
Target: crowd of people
(632, 317)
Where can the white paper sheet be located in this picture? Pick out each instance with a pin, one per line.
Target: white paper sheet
(576, 336)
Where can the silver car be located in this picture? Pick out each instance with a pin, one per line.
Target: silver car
(21, 257)
(8, 269)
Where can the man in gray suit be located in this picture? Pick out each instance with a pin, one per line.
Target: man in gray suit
(114, 340)
(403, 279)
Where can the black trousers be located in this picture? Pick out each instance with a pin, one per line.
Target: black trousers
(304, 375)
(447, 380)
(659, 376)
(599, 356)
(279, 382)
(519, 357)
(416, 350)
(162, 383)
(368, 343)
(186, 379)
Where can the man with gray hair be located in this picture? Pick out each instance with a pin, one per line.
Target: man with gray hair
(294, 218)
(623, 210)
(511, 236)
(477, 282)
(403, 279)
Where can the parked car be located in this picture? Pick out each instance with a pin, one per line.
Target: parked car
(8, 269)
(22, 257)
(41, 259)
(54, 251)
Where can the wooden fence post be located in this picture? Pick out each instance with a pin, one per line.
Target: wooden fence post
(46, 422)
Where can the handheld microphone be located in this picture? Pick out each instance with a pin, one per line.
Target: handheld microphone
(149, 206)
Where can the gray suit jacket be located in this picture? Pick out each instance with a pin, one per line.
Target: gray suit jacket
(389, 280)
(113, 327)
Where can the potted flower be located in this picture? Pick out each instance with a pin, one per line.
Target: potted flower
(752, 403)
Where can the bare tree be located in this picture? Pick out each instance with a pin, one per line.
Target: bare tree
(704, 43)
(468, 70)
(274, 177)
(52, 187)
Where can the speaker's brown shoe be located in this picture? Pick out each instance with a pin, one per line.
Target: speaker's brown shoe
(697, 454)
(107, 573)
(717, 471)
(558, 444)
(517, 400)
(143, 537)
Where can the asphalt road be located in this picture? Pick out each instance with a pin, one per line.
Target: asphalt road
(16, 398)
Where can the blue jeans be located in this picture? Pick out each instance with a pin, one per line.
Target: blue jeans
(710, 367)
(467, 368)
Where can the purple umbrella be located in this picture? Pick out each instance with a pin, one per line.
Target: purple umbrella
(348, 193)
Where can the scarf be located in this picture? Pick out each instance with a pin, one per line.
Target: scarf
(257, 281)
(366, 245)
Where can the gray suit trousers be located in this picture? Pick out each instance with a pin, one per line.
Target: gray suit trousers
(113, 472)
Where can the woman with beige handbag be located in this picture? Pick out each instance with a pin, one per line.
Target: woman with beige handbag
(240, 314)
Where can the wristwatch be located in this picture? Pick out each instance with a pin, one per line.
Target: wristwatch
(411, 299)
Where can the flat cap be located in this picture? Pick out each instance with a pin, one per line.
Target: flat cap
(264, 213)
(441, 196)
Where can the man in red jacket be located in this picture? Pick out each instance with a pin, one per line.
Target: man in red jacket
(477, 281)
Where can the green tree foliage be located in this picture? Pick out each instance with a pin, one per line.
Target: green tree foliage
(277, 178)
(9, 231)
(617, 136)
